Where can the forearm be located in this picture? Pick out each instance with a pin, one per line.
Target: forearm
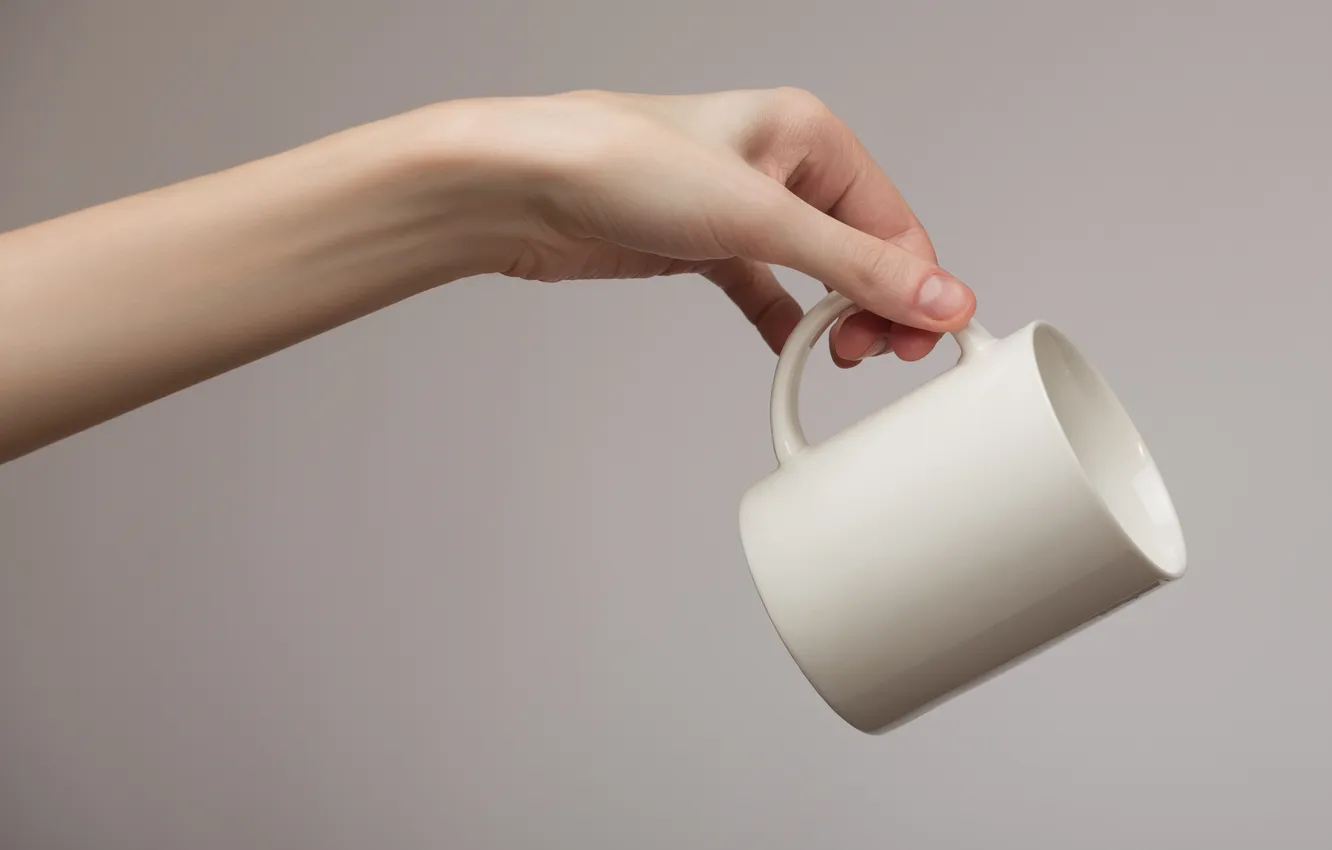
(112, 307)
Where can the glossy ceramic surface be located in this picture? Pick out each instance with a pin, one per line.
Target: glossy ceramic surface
(976, 520)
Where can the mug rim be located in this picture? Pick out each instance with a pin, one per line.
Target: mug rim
(1167, 554)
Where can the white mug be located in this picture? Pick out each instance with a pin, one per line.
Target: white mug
(966, 526)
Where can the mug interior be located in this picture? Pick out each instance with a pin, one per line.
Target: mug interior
(1110, 450)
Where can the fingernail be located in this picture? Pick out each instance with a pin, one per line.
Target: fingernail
(879, 346)
(942, 297)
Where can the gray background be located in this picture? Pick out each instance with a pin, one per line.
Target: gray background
(466, 573)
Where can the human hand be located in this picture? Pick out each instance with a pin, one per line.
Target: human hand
(108, 308)
(611, 185)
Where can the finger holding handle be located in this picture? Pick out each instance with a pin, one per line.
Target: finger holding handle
(788, 437)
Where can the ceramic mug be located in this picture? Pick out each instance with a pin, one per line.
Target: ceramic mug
(976, 520)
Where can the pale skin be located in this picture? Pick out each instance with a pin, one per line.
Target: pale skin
(110, 308)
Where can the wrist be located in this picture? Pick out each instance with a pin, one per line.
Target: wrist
(407, 189)
(466, 174)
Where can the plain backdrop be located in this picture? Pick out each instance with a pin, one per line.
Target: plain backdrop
(466, 573)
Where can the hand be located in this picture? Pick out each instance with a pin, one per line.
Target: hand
(108, 308)
(628, 186)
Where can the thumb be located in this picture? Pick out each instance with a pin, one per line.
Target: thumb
(878, 275)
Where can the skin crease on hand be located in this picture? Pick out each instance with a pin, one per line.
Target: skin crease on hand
(112, 307)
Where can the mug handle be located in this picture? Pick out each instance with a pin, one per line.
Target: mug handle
(788, 438)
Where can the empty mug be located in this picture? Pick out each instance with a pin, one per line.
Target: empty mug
(976, 520)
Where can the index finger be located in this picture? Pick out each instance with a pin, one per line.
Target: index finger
(832, 171)
(838, 176)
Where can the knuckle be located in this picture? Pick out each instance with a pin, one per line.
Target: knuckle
(883, 268)
(770, 127)
(799, 101)
(792, 122)
(803, 113)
